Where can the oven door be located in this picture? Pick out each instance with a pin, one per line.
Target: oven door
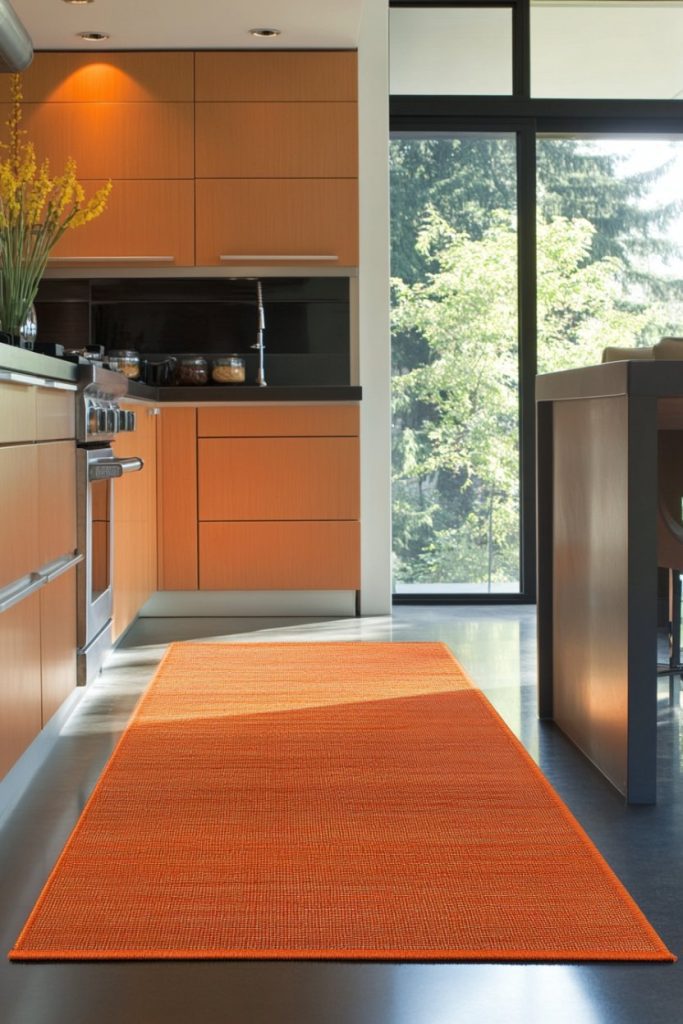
(97, 470)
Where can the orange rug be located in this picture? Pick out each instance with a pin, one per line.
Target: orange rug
(338, 801)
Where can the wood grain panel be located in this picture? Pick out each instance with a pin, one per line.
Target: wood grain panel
(142, 218)
(279, 556)
(277, 140)
(18, 512)
(17, 413)
(57, 642)
(56, 500)
(590, 578)
(20, 698)
(279, 478)
(295, 217)
(135, 522)
(55, 414)
(177, 498)
(280, 76)
(109, 77)
(112, 140)
(278, 420)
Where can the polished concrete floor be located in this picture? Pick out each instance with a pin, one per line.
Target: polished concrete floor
(497, 646)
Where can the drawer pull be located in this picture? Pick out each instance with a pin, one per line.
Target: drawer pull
(39, 382)
(111, 259)
(223, 256)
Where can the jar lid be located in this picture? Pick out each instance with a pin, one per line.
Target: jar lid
(192, 360)
(123, 353)
(230, 360)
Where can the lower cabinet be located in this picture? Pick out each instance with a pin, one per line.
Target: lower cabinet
(38, 658)
(135, 520)
(259, 497)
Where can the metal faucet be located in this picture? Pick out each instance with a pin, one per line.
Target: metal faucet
(260, 376)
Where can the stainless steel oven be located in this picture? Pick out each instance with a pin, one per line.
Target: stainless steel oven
(98, 419)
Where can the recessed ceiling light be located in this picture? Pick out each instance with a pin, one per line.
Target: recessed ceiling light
(265, 33)
(93, 37)
(77, 2)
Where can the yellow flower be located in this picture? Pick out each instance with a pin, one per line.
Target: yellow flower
(35, 211)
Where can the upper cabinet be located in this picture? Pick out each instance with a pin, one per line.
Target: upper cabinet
(216, 158)
(281, 76)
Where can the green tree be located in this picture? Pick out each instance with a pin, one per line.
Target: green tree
(455, 443)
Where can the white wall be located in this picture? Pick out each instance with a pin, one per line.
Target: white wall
(374, 336)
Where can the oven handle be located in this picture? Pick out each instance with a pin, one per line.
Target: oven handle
(110, 469)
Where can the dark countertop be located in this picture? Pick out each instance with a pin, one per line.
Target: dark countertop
(22, 360)
(246, 393)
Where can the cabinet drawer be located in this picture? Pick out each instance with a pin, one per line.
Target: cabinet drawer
(274, 421)
(279, 556)
(109, 77)
(278, 478)
(20, 699)
(113, 140)
(57, 642)
(18, 512)
(17, 413)
(56, 500)
(146, 222)
(55, 414)
(280, 76)
(277, 140)
(177, 498)
(277, 221)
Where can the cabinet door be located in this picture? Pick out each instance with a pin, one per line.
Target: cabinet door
(177, 498)
(282, 75)
(237, 420)
(276, 140)
(18, 512)
(149, 223)
(55, 414)
(135, 521)
(17, 413)
(279, 556)
(57, 642)
(20, 697)
(277, 221)
(278, 478)
(56, 500)
(63, 77)
(113, 140)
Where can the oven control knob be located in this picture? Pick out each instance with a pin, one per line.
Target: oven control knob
(102, 421)
(92, 420)
(112, 421)
(130, 420)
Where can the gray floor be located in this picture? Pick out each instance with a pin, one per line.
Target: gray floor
(496, 645)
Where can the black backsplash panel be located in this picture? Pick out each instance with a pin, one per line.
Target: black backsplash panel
(307, 333)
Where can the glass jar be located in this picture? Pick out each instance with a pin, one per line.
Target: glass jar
(228, 370)
(192, 370)
(125, 361)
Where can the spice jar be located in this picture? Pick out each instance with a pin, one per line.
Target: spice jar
(125, 361)
(192, 370)
(228, 370)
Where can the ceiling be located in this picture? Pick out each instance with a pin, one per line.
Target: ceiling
(191, 24)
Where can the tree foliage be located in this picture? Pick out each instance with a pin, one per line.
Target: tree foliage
(455, 439)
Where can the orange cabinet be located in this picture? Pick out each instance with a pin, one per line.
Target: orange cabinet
(279, 221)
(282, 75)
(20, 693)
(243, 478)
(135, 521)
(279, 497)
(129, 77)
(276, 140)
(177, 498)
(148, 223)
(113, 140)
(18, 512)
(57, 647)
(56, 500)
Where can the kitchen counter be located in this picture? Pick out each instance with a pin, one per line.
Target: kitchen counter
(245, 393)
(21, 360)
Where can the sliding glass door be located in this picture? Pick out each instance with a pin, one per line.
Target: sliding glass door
(456, 490)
